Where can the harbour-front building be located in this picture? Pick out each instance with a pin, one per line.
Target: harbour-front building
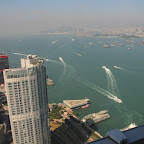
(27, 100)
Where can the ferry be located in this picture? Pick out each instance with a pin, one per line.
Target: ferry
(85, 106)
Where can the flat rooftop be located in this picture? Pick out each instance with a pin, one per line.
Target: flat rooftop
(134, 136)
(75, 103)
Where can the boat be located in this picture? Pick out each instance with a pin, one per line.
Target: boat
(96, 117)
(106, 46)
(49, 81)
(103, 67)
(79, 54)
(85, 106)
(53, 42)
(132, 125)
(112, 44)
(60, 58)
(121, 44)
(102, 112)
(117, 99)
(91, 43)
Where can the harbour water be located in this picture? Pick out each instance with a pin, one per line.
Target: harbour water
(75, 65)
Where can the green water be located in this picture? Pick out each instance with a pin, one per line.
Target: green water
(80, 70)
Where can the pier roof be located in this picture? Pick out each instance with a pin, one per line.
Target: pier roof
(75, 103)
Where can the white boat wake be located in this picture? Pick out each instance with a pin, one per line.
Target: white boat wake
(19, 54)
(60, 58)
(102, 91)
(63, 46)
(50, 60)
(112, 85)
(77, 54)
(120, 68)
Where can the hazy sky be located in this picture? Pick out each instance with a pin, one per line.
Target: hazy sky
(27, 16)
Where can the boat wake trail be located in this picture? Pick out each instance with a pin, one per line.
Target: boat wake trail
(50, 60)
(19, 54)
(120, 68)
(76, 53)
(102, 91)
(62, 46)
(112, 85)
(60, 58)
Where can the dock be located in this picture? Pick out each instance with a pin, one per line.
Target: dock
(75, 103)
(96, 117)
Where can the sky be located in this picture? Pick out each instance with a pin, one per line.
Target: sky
(29, 16)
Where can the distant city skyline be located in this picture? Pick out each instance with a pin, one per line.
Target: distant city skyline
(21, 17)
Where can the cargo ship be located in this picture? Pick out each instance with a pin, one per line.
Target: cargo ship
(96, 117)
(49, 81)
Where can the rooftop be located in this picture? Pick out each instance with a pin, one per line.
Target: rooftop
(30, 61)
(2, 53)
(75, 103)
(133, 136)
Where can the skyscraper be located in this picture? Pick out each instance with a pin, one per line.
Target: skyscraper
(4, 64)
(27, 99)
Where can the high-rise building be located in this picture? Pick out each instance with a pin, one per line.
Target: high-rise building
(27, 100)
(4, 64)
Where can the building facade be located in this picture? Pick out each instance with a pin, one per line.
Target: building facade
(4, 64)
(27, 100)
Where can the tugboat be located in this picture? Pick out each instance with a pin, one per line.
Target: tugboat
(49, 81)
